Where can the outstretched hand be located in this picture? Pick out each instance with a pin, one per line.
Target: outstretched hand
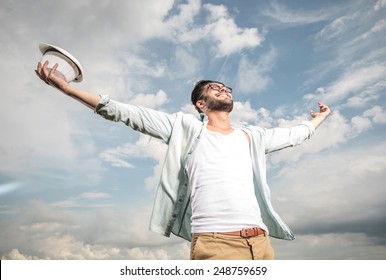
(50, 76)
(55, 79)
(324, 111)
(319, 117)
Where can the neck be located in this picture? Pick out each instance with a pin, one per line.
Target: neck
(219, 122)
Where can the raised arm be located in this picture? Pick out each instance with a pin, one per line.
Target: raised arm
(280, 138)
(48, 76)
(154, 123)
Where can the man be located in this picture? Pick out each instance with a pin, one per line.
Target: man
(213, 189)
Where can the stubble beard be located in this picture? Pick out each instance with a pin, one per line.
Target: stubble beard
(225, 105)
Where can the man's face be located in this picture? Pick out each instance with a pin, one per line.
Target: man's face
(218, 97)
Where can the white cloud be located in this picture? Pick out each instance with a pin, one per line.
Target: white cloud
(222, 33)
(264, 119)
(110, 233)
(189, 109)
(145, 147)
(41, 132)
(366, 96)
(14, 254)
(184, 64)
(379, 26)
(364, 122)
(351, 82)
(361, 124)
(380, 5)
(87, 200)
(337, 27)
(354, 81)
(350, 41)
(334, 191)
(253, 76)
(244, 113)
(230, 37)
(331, 246)
(78, 251)
(9, 187)
(366, 36)
(116, 157)
(377, 114)
(143, 66)
(95, 195)
(153, 101)
(290, 17)
(182, 22)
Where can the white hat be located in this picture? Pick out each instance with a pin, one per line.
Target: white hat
(69, 67)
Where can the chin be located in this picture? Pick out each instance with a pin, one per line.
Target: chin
(221, 105)
(228, 107)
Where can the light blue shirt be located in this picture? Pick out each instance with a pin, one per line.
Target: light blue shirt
(181, 132)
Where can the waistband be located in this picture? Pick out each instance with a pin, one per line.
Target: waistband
(248, 232)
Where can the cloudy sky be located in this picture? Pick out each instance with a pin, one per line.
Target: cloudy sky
(75, 186)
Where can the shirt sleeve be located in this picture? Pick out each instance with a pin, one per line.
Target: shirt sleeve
(148, 121)
(280, 138)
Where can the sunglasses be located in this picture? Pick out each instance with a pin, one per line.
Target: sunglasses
(218, 87)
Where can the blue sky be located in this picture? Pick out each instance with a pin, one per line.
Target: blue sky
(75, 186)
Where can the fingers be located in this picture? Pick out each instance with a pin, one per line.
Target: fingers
(54, 69)
(44, 73)
(323, 107)
(39, 67)
(51, 74)
(324, 110)
(40, 71)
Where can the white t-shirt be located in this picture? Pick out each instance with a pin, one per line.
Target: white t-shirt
(221, 180)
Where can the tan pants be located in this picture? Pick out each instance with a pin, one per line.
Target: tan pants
(217, 246)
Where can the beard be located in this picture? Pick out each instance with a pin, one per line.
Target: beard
(222, 105)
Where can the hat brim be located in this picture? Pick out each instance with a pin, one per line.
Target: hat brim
(44, 47)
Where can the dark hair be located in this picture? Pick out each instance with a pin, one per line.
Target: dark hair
(198, 91)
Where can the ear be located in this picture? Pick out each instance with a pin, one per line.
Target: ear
(200, 104)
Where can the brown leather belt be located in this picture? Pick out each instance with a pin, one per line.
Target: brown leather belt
(248, 232)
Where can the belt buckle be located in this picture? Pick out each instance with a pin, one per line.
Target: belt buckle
(244, 232)
(250, 232)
